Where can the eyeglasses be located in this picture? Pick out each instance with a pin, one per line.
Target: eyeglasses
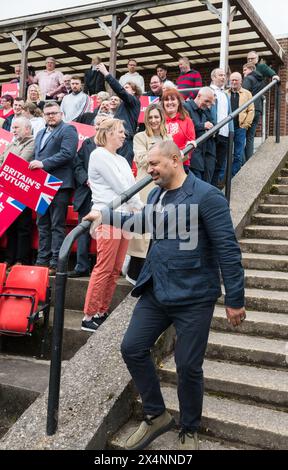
(53, 113)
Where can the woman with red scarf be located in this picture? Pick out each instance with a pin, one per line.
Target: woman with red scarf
(179, 125)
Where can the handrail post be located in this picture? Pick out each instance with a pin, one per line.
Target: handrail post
(56, 352)
(229, 167)
(277, 112)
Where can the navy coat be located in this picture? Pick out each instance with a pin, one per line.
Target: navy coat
(58, 152)
(80, 166)
(179, 276)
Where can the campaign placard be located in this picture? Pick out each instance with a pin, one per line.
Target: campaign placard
(84, 132)
(9, 211)
(10, 89)
(144, 102)
(5, 139)
(34, 188)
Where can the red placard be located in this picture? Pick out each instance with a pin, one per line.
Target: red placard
(34, 188)
(10, 89)
(9, 211)
(84, 132)
(5, 139)
(144, 102)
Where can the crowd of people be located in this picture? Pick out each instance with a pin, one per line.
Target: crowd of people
(53, 100)
(179, 287)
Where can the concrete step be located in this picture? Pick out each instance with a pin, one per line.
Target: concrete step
(267, 324)
(272, 280)
(265, 246)
(273, 208)
(167, 441)
(248, 424)
(275, 232)
(246, 382)
(270, 219)
(284, 172)
(279, 189)
(76, 292)
(265, 261)
(266, 300)
(248, 349)
(276, 199)
(22, 380)
(282, 180)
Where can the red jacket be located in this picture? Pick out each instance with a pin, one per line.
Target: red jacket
(181, 131)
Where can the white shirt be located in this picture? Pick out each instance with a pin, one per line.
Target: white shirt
(109, 175)
(133, 77)
(222, 108)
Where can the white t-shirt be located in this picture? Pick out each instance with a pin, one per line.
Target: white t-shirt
(109, 175)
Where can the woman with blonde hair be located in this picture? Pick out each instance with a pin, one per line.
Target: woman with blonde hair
(34, 96)
(155, 132)
(109, 175)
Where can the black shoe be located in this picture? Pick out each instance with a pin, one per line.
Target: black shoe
(99, 319)
(78, 273)
(89, 325)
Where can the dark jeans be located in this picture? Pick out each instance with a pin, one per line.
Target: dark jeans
(192, 323)
(19, 236)
(249, 149)
(51, 228)
(83, 242)
(221, 156)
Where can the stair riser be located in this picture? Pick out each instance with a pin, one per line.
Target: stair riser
(282, 180)
(255, 282)
(265, 264)
(230, 389)
(282, 221)
(229, 353)
(275, 199)
(284, 172)
(226, 430)
(264, 249)
(280, 190)
(266, 305)
(273, 210)
(267, 234)
(268, 330)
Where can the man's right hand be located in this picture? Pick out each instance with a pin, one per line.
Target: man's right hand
(95, 217)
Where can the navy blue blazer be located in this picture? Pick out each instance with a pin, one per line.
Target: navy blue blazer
(179, 276)
(58, 152)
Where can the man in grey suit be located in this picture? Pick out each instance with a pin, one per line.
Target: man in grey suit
(55, 149)
(179, 283)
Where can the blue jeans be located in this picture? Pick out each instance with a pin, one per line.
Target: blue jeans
(192, 324)
(249, 149)
(239, 146)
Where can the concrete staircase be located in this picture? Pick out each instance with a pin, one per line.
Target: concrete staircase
(246, 377)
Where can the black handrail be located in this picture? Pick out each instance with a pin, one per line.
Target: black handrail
(62, 267)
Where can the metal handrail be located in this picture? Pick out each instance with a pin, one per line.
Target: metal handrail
(62, 267)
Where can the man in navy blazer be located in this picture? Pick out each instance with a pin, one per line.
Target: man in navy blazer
(55, 148)
(180, 284)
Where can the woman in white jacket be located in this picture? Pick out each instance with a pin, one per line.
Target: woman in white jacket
(109, 175)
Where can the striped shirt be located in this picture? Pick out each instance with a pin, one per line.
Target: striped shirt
(191, 79)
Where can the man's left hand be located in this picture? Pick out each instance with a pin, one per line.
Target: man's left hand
(35, 164)
(235, 316)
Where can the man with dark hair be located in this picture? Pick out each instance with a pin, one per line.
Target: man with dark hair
(132, 76)
(188, 78)
(17, 108)
(76, 103)
(161, 71)
(179, 284)
(55, 149)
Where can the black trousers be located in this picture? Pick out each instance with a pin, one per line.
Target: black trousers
(19, 236)
(192, 324)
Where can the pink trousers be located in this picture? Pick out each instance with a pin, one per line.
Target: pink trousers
(111, 251)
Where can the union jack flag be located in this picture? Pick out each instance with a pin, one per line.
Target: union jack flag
(51, 185)
(9, 210)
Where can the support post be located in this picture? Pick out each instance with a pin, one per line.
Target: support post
(113, 47)
(225, 27)
(229, 167)
(277, 111)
